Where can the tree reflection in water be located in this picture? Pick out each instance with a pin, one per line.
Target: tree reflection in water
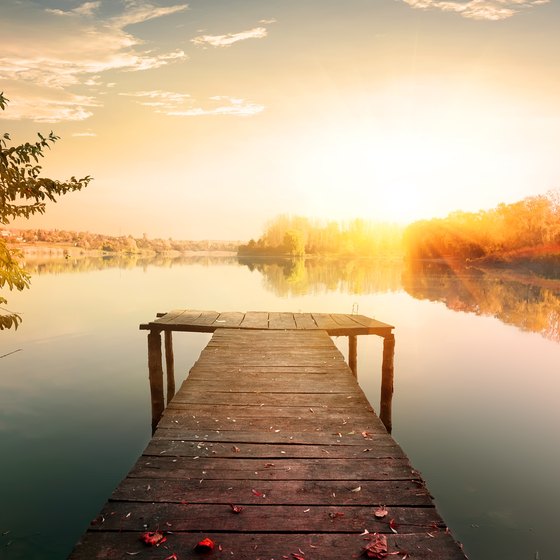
(527, 301)
(511, 295)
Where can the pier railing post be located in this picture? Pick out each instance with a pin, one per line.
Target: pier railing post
(169, 365)
(353, 354)
(387, 375)
(155, 370)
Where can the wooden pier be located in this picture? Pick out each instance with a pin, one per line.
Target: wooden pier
(269, 450)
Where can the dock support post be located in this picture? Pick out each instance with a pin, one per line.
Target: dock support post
(169, 365)
(353, 354)
(387, 375)
(155, 370)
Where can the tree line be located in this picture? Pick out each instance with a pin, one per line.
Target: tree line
(116, 244)
(525, 229)
(296, 236)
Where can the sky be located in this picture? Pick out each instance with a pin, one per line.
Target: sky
(206, 119)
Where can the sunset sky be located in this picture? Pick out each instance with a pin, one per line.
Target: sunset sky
(204, 120)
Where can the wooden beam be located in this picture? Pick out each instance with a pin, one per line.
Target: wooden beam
(169, 365)
(155, 372)
(387, 375)
(353, 354)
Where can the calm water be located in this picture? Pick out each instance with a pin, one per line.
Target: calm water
(476, 405)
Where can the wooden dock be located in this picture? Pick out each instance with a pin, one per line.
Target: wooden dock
(269, 450)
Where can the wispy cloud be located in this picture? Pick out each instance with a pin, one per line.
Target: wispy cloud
(54, 107)
(184, 105)
(56, 49)
(86, 9)
(86, 134)
(230, 38)
(492, 10)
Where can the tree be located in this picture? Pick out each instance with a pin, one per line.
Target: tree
(23, 192)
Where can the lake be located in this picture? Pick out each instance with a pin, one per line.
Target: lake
(476, 403)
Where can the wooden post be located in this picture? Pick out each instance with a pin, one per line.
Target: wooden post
(169, 365)
(155, 370)
(353, 354)
(387, 375)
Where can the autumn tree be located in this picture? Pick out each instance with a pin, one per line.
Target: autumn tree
(23, 193)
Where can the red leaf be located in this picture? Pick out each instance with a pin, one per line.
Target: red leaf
(205, 545)
(236, 509)
(335, 514)
(393, 526)
(154, 538)
(171, 557)
(297, 556)
(377, 548)
(257, 493)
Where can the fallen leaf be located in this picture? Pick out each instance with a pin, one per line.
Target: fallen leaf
(393, 526)
(235, 449)
(236, 509)
(171, 557)
(380, 512)
(335, 514)
(366, 435)
(154, 538)
(377, 547)
(297, 556)
(268, 465)
(205, 545)
(357, 489)
(257, 493)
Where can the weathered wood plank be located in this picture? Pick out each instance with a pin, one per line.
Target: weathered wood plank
(305, 321)
(380, 447)
(325, 321)
(229, 319)
(262, 517)
(257, 411)
(283, 469)
(277, 492)
(281, 321)
(219, 398)
(255, 320)
(111, 545)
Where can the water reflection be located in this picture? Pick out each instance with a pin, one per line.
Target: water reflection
(288, 277)
(41, 265)
(531, 303)
(511, 297)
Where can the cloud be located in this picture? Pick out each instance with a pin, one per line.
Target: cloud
(56, 49)
(184, 105)
(492, 10)
(230, 38)
(86, 9)
(138, 12)
(54, 107)
(86, 134)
